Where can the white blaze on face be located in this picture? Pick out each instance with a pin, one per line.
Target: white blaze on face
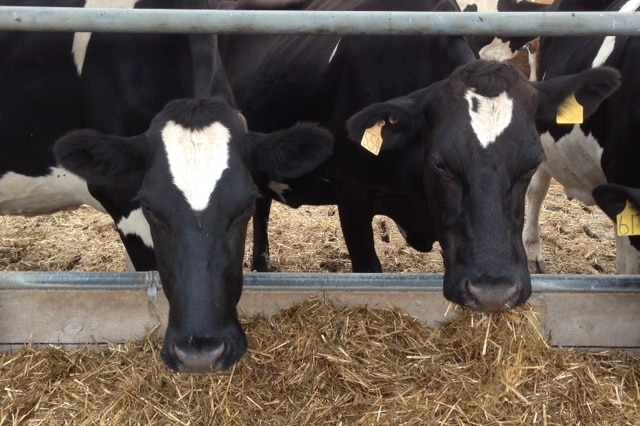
(610, 41)
(81, 39)
(197, 159)
(489, 116)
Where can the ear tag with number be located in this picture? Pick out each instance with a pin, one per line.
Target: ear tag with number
(628, 221)
(372, 138)
(570, 112)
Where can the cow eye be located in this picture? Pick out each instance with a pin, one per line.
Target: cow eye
(440, 166)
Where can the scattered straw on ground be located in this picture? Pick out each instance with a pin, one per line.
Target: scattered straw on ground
(575, 240)
(314, 364)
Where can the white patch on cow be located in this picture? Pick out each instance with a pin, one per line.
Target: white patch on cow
(609, 42)
(574, 161)
(197, 159)
(136, 224)
(59, 190)
(81, 39)
(489, 116)
(497, 50)
(279, 188)
(335, 49)
(604, 52)
(483, 5)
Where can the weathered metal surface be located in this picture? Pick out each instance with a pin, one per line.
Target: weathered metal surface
(77, 308)
(20, 18)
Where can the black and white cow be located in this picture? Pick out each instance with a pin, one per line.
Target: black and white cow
(114, 83)
(188, 176)
(280, 80)
(192, 174)
(458, 151)
(471, 143)
(604, 148)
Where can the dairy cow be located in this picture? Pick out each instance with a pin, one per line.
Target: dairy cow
(471, 143)
(604, 147)
(192, 174)
(182, 183)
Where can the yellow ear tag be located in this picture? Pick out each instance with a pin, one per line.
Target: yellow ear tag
(570, 112)
(628, 221)
(372, 138)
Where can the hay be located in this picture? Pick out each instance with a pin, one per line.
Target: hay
(315, 364)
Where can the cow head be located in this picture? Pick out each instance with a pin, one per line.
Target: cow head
(480, 147)
(192, 175)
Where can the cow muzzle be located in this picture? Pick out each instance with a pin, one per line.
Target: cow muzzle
(203, 354)
(490, 295)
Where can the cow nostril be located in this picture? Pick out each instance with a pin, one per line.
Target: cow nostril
(490, 297)
(198, 358)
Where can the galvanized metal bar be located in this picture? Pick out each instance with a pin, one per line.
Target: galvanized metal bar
(21, 18)
(308, 281)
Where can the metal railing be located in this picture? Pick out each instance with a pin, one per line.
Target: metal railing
(20, 18)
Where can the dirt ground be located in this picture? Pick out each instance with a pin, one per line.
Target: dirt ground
(576, 239)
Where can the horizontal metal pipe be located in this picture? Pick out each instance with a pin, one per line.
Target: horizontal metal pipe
(307, 282)
(21, 18)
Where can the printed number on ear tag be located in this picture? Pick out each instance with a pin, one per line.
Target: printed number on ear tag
(628, 221)
(570, 112)
(372, 138)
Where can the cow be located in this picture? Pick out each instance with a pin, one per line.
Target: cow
(437, 176)
(192, 174)
(114, 83)
(603, 148)
(471, 142)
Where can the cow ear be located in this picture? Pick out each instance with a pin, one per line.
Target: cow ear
(589, 87)
(290, 153)
(100, 159)
(386, 125)
(612, 198)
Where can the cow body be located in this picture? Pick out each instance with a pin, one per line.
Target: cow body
(114, 83)
(604, 147)
(279, 80)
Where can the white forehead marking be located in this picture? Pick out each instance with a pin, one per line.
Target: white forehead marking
(197, 159)
(81, 39)
(609, 42)
(489, 116)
